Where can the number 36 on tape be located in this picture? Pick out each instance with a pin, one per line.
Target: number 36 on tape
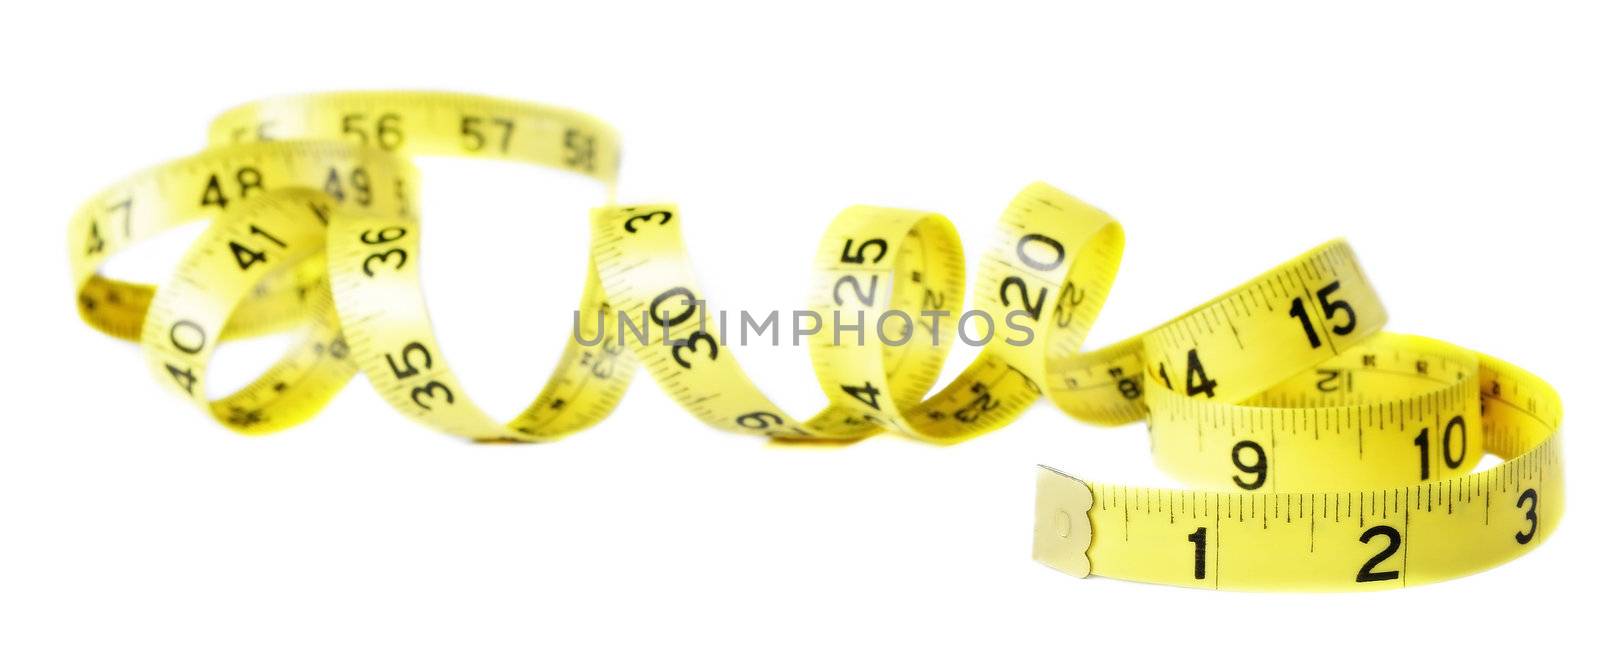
(1323, 452)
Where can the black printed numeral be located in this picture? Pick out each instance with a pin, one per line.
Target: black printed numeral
(360, 185)
(1256, 467)
(248, 179)
(411, 369)
(1130, 387)
(247, 256)
(1034, 308)
(983, 403)
(858, 255)
(1367, 574)
(579, 148)
(183, 376)
(1530, 499)
(383, 132)
(475, 132)
(1455, 437)
(692, 344)
(866, 296)
(1330, 308)
(431, 391)
(1196, 381)
(1030, 254)
(759, 420)
(97, 243)
(414, 358)
(189, 338)
(1297, 309)
(867, 393)
(383, 236)
(1199, 540)
(661, 316)
(631, 224)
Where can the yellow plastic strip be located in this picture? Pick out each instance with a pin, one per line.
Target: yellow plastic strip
(1325, 453)
(1370, 495)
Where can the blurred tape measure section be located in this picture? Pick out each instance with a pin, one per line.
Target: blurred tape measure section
(1326, 454)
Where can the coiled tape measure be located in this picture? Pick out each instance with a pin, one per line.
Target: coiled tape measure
(1327, 454)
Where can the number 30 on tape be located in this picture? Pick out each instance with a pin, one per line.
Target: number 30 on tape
(1323, 452)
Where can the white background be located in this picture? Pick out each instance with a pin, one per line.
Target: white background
(1454, 144)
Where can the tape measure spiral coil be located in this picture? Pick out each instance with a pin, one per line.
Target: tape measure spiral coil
(1280, 399)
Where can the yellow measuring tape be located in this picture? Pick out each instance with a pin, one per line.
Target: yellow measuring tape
(1328, 454)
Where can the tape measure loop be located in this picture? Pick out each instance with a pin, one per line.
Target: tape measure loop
(1325, 454)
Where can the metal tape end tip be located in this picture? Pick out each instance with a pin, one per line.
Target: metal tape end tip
(1061, 529)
